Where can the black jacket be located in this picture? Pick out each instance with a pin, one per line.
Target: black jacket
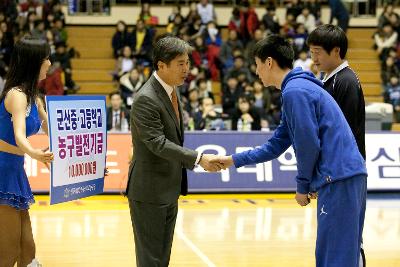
(346, 89)
(123, 112)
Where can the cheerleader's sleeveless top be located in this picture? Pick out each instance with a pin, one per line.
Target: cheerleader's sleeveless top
(15, 190)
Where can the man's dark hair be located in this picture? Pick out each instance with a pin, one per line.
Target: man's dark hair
(168, 48)
(244, 3)
(271, 7)
(113, 93)
(329, 36)
(239, 57)
(248, 97)
(387, 24)
(276, 47)
(201, 100)
(60, 44)
(236, 12)
(201, 80)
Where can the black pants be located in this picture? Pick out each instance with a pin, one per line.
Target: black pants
(153, 228)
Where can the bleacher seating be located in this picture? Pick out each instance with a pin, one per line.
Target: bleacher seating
(364, 60)
(92, 70)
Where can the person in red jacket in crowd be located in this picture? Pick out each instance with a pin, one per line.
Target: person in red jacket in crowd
(53, 85)
(235, 22)
(204, 56)
(248, 21)
(29, 5)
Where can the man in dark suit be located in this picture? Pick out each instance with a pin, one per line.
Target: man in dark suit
(117, 115)
(157, 174)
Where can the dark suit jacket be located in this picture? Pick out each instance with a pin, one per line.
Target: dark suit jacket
(158, 171)
(110, 117)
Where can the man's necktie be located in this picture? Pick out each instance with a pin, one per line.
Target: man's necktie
(174, 100)
(117, 125)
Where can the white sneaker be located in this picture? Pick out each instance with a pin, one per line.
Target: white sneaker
(34, 263)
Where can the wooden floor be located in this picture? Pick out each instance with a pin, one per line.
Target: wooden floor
(228, 230)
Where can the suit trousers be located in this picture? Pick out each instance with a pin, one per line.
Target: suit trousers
(340, 214)
(153, 229)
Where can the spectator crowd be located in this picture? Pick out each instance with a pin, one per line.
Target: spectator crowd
(242, 103)
(219, 60)
(41, 20)
(388, 47)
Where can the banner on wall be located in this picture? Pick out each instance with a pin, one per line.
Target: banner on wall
(383, 164)
(78, 139)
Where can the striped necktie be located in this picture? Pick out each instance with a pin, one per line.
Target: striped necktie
(174, 100)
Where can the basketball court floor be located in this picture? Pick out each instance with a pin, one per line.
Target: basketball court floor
(212, 230)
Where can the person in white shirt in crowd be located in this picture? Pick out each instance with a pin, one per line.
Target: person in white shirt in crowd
(384, 40)
(129, 84)
(206, 11)
(307, 19)
(126, 62)
(304, 61)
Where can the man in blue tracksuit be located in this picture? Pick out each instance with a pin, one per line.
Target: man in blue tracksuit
(328, 160)
(328, 47)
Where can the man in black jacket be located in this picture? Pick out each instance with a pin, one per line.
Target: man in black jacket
(328, 46)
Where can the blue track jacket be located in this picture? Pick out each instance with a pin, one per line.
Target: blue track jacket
(314, 125)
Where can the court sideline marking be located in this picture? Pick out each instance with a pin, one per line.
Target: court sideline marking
(195, 249)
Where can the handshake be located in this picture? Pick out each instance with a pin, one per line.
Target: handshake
(215, 163)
